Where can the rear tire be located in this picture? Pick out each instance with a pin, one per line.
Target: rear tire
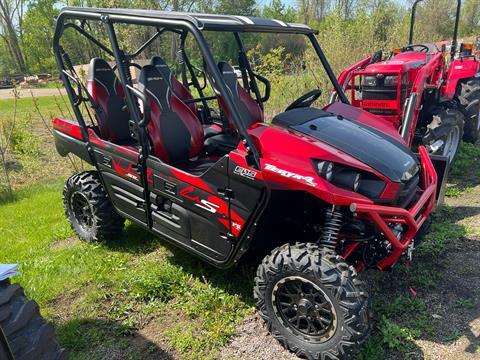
(333, 308)
(30, 337)
(446, 128)
(470, 92)
(89, 209)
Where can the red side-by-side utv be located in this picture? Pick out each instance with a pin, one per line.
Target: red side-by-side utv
(321, 193)
(430, 100)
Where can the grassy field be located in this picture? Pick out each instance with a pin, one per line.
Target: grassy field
(139, 298)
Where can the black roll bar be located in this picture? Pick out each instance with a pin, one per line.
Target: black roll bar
(412, 21)
(455, 29)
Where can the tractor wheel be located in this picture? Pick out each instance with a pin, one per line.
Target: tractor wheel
(470, 92)
(311, 302)
(29, 336)
(89, 209)
(444, 133)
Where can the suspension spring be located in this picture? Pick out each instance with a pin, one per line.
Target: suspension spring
(331, 229)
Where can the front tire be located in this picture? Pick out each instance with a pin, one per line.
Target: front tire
(311, 302)
(470, 93)
(29, 336)
(89, 209)
(444, 133)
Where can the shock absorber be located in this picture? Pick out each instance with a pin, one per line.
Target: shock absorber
(331, 229)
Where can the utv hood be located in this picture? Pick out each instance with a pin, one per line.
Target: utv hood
(367, 144)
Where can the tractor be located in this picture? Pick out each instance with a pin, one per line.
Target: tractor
(430, 100)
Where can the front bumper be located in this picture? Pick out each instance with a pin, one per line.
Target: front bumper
(412, 219)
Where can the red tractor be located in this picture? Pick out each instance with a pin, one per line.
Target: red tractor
(430, 100)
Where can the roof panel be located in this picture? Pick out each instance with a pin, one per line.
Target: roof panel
(214, 22)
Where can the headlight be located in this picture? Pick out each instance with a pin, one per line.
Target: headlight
(369, 80)
(391, 80)
(347, 178)
(350, 178)
(325, 169)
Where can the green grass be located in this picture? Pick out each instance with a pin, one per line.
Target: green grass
(107, 290)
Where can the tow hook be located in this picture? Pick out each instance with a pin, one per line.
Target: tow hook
(433, 148)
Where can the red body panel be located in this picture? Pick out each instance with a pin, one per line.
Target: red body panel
(68, 127)
(459, 69)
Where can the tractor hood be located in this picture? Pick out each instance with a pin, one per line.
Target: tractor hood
(368, 145)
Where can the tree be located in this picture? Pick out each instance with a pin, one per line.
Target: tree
(277, 10)
(37, 44)
(11, 13)
(470, 20)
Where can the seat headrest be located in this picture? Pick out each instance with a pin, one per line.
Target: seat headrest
(161, 66)
(156, 85)
(101, 72)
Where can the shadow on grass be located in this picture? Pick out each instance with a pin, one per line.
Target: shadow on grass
(106, 339)
(237, 280)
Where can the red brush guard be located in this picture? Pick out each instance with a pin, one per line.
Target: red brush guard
(412, 219)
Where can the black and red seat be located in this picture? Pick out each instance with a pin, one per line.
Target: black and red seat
(109, 104)
(175, 133)
(250, 111)
(182, 93)
(180, 90)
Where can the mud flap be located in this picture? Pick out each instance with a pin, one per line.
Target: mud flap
(442, 168)
(440, 163)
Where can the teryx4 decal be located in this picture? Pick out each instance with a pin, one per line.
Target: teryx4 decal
(309, 180)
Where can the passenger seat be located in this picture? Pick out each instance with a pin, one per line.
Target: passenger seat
(175, 133)
(110, 108)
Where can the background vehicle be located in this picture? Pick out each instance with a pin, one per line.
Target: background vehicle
(24, 334)
(324, 188)
(430, 101)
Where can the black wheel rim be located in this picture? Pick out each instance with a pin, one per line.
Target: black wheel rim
(81, 210)
(304, 309)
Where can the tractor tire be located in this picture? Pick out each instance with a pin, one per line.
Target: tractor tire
(89, 209)
(470, 94)
(446, 128)
(29, 336)
(311, 302)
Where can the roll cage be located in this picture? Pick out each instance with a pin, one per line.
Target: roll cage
(182, 24)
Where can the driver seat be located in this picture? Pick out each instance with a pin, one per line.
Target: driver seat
(250, 112)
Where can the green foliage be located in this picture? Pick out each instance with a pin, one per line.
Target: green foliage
(37, 43)
(395, 336)
(22, 139)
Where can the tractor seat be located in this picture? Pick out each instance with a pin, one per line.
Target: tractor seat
(110, 108)
(175, 133)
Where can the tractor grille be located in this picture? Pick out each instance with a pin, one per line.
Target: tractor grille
(379, 93)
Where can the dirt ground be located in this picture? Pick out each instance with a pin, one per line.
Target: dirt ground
(7, 93)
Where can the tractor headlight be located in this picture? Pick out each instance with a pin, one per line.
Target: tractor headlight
(369, 80)
(390, 80)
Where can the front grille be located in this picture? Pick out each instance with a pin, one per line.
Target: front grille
(379, 93)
